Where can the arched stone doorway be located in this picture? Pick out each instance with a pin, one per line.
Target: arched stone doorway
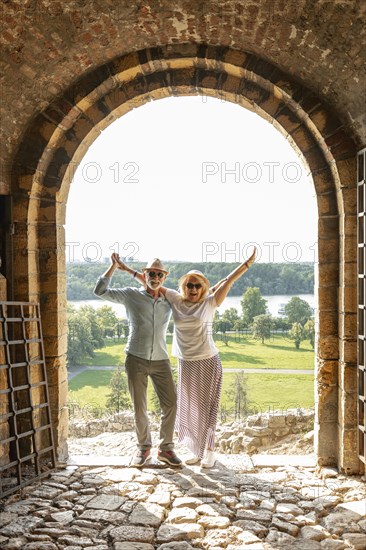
(58, 138)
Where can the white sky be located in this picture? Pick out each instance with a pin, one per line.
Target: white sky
(156, 183)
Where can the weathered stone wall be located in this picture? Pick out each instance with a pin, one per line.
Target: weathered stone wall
(262, 431)
(248, 435)
(47, 44)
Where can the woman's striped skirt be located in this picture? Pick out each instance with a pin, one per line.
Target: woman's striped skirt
(199, 391)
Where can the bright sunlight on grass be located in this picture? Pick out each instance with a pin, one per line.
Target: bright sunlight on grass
(277, 353)
(265, 391)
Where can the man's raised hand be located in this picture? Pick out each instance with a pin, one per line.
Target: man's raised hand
(117, 262)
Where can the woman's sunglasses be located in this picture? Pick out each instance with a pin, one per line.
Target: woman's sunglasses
(193, 285)
(153, 273)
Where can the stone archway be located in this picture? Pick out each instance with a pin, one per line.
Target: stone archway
(59, 137)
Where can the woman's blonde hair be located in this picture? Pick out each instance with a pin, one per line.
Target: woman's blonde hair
(201, 278)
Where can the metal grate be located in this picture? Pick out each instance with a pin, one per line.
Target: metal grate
(361, 287)
(26, 440)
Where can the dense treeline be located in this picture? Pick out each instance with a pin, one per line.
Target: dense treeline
(297, 278)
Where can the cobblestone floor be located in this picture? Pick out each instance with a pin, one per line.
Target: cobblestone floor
(99, 502)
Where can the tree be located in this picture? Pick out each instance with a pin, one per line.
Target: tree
(297, 334)
(238, 393)
(252, 304)
(298, 311)
(309, 331)
(118, 398)
(119, 328)
(90, 313)
(216, 325)
(108, 320)
(291, 279)
(85, 333)
(229, 317)
(270, 278)
(79, 340)
(239, 325)
(279, 323)
(261, 327)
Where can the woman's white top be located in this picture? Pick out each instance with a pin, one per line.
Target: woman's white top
(192, 338)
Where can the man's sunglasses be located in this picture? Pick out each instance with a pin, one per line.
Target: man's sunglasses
(193, 285)
(158, 274)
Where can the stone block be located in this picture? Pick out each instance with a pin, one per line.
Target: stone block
(52, 283)
(348, 407)
(348, 350)
(348, 325)
(323, 180)
(54, 347)
(349, 225)
(327, 124)
(125, 63)
(316, 160)
(236, 58)
(327, 204)
(325, 442)
(288, 120)
(270, 103)
(47, 128)
(54, 300)
(348, 196)
(347, 170)
(328, 273)
(348, 247)
(230, 85)
(348, 273)
(348, 377)
(327, 347)
(348, 299)
(348, 460)
(328, 250)
(327, 372)
(345, 149)
(326, 403)
(25, 182)
(46, 213)
(303, 138)
(327, 320)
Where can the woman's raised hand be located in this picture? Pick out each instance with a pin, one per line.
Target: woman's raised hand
(251, 259)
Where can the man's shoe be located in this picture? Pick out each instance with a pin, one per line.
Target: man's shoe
(169, 457)
(140, 457)
(209, 459)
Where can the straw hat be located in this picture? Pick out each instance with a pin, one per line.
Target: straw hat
(156, 265)
(198, 274)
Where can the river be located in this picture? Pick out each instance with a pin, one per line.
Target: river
(274, 303)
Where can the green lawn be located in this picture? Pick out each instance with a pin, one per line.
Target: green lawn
(273, 391)
(276, 353)
(111, 355)
(90, 389)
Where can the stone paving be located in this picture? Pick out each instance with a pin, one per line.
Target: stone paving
(258, 502)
